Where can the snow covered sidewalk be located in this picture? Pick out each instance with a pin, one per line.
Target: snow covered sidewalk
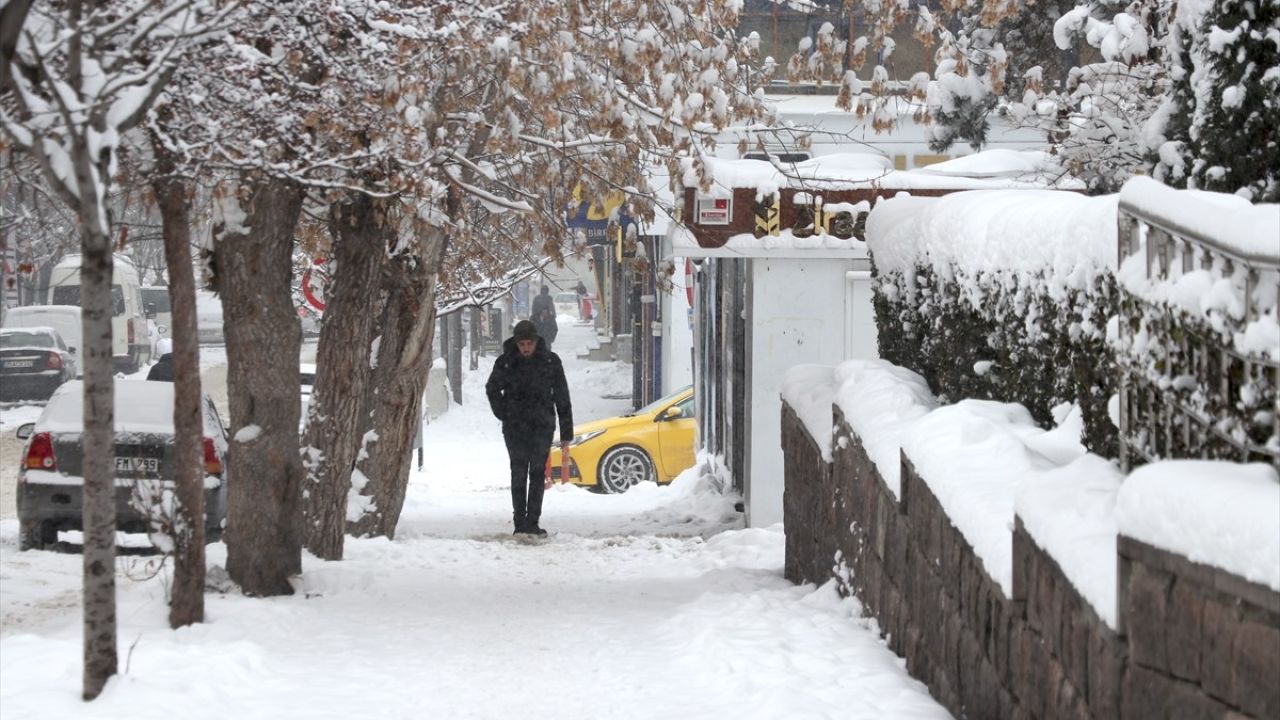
(644, 605)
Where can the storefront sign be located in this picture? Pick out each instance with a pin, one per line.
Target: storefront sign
(713, 211)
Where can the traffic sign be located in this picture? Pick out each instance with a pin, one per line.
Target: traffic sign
(313, 282)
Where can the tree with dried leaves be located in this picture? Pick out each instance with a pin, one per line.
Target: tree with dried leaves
(81, 76)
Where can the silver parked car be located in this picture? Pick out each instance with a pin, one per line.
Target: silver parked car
(50, 483)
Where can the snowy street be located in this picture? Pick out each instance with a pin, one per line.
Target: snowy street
(651, 604)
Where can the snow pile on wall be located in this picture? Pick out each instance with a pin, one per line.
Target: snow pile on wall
(880, 401)
(982, 460)
(1070, 512)
(808, 389)
(1216, 513)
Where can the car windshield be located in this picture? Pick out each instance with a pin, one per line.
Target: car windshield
(25, 339)
(657, 405)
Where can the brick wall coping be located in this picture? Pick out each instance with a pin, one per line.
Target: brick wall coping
(1070, 515)
(1220, 514)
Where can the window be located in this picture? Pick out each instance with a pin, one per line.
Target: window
(927, 160)
(157, 297)
(26, 339)
(783, 157)
(70, 295)
(686, 407)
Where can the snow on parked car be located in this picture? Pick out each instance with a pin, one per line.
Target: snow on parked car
(50, 480)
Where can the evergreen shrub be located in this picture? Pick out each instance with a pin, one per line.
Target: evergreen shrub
(998, 337)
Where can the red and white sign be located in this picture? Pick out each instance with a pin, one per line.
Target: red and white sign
(313, 282)
(713, 211)
(688, 280)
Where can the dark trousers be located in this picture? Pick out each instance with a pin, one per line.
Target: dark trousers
(528, 451)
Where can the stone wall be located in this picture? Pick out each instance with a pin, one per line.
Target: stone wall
(810, 479)
(1199, 641)
(1202, 642)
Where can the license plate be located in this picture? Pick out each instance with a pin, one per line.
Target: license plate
(137, 465)
(19, 363)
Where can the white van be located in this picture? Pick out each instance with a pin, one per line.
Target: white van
(155, 299)
(131, 341)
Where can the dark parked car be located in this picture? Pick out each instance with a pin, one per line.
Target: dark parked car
(50, 480)
(34, 361)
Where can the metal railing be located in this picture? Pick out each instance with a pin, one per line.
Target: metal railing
(1193, 395)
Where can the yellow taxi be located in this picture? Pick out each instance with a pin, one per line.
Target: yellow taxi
(652, 443)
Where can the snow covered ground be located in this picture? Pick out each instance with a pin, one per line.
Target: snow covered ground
(651, 604)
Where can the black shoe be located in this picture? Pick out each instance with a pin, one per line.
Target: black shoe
(533, 529)
(520, 526)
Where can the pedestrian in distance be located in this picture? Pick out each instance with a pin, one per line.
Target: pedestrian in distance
(163, 369)
(582, 305)
(543, 315)
(527, 391)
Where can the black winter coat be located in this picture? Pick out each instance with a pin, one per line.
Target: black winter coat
(543, 315)
(527, 394)
(163, 369)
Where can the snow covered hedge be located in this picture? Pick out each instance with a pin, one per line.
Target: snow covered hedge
(1016, 296)
(1002, 295)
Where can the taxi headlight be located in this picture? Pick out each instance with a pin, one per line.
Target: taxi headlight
(579, 439)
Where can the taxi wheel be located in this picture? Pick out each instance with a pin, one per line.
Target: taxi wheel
(624, 467)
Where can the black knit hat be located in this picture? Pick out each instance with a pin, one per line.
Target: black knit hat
(526, 330)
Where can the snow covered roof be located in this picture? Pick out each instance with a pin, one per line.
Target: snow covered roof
(991, 169)
(783, 245)
(991, 164)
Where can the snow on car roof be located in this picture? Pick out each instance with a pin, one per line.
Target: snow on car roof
(144, 406)
(27, 330)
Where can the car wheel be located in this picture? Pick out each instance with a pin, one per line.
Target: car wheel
(624, 467)
(36, 534)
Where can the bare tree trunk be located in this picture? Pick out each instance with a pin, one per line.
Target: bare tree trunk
(13, 14)
(453, 361)
(99, 510)
(254, 261)
(338, 403)
(404, 361)
(474, 338)
(187, 604)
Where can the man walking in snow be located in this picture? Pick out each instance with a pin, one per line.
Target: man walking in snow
(543, 315)
(527, 391)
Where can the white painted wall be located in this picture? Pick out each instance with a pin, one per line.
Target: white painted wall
(677, 334)
(798, 309)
